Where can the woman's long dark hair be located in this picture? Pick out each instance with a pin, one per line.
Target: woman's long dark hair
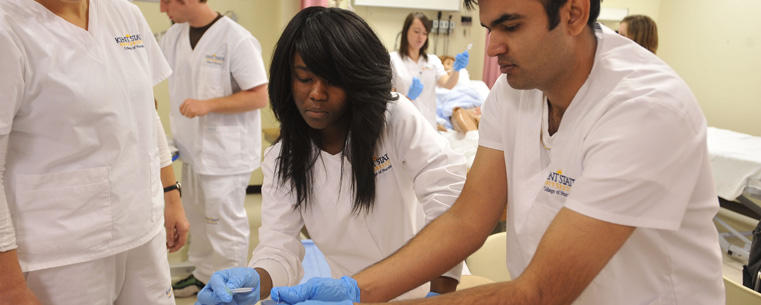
(340, 47)
(404, 45)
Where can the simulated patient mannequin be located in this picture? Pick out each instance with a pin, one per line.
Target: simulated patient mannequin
(463, 120)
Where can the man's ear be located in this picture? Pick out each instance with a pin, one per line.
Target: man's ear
(578, 12)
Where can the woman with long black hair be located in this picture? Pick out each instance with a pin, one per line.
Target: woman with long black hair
(355, 163)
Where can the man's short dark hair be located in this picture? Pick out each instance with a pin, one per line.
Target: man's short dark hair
(552, 7)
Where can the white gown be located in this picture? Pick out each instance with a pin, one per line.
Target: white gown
(428, 71)
(219, 150)
(81, 176)
(418, 177)
(631, 150)
(226, 59)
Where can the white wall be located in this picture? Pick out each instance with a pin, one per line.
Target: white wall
(716, 47)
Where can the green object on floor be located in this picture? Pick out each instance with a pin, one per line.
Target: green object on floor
(187, 287)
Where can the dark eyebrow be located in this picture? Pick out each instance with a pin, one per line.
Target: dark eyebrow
(503, 18)
(303, 68)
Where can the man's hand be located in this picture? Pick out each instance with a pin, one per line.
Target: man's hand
(175, 222)
(23, 296)
(13, 288)
(192, 108)
(319, 289)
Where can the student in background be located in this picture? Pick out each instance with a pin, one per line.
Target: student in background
(217, 88)
(417, 73)
(355, 163)
(642, 29)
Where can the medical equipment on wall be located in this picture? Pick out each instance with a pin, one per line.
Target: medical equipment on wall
(465, 22)
(435, 29)
(430, 5)
(447, 26)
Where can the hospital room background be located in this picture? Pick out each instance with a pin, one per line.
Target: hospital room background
(714, 45)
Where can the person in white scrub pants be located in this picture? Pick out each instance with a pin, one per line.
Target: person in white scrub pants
(416, 73)
(217, 88)
(82, 215)
(376, 173)
(599, 150)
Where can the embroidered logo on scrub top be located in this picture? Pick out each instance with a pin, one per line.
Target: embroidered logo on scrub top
(130, 42)
(212, 220)
(213, 59)
(382, 164)
(559, 184)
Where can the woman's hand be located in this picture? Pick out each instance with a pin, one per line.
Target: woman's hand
(415, 89)
(461, 61)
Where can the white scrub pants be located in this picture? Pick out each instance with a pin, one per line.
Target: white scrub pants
(219, 229)
(136, 276)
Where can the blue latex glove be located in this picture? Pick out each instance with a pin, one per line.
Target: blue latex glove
(217, 291)
(415, 89)
(431, 294)
(344, 302)
(461, 61)
(319, 289)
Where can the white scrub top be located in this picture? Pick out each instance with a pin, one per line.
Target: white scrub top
(418, 177)
(428, 71)
(227, 59)
(631, 150)
(82, 168)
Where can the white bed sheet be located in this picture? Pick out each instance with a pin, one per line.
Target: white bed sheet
(735, 158)
(465, 144)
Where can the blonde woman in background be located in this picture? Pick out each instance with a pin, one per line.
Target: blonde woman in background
(641, 29)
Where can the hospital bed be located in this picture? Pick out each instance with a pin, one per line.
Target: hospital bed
(736, 164)
(467, 94)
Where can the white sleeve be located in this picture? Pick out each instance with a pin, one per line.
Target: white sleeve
(7, 233)
(164, 154)
(438, 173)
(247, 65)
(400, 79)
(640, 175)
(499, 114)
(158, 63)
(438, 66)
(280, 250)
(12, 86)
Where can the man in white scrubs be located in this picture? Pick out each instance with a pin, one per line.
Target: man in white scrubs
(599, 150)
(217, 88)
(81, 210)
